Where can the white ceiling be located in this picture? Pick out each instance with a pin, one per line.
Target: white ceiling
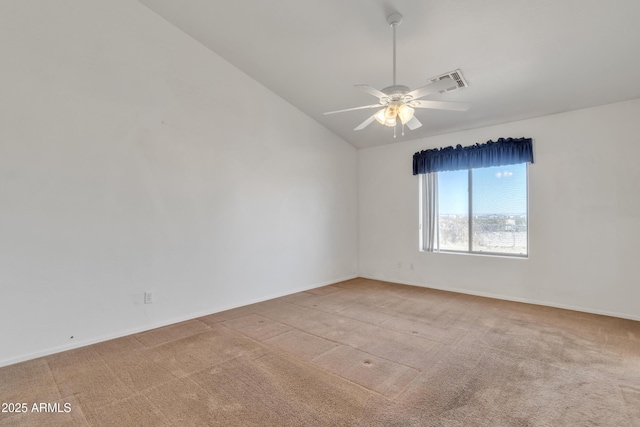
(521, 58)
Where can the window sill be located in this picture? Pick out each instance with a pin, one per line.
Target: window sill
(483, 254)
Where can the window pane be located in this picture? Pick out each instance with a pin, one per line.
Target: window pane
(453, 206)
(499, 211)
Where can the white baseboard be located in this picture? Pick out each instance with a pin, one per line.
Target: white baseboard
(507, 298)
(179, 319)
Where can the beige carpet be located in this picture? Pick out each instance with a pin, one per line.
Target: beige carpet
(357, 353)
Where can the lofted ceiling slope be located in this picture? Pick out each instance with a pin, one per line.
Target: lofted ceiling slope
(521, 58)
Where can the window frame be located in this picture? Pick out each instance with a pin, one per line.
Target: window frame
(470, 250)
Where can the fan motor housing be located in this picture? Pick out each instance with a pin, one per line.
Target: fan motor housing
(395, 92)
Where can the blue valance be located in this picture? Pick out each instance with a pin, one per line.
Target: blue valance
(504, 151)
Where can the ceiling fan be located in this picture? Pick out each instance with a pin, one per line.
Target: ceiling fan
(398, 101)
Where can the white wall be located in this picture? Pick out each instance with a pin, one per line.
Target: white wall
(133, 159)
(584, 215)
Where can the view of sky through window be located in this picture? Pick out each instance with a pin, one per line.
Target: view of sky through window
(497, 190)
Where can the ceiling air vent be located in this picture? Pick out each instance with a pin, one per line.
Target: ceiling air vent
(456, 76)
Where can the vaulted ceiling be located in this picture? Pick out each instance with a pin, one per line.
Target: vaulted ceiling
(520, 58)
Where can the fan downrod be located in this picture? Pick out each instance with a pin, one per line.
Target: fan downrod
(394, 20)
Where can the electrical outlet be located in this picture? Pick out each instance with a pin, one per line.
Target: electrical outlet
(148, 297)
(399, 264)
(411, 266)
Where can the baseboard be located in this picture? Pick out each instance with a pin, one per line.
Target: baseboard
(168, 322)
(507, 298)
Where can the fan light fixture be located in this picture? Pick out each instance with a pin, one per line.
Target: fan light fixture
(387, 116)
(405, 113)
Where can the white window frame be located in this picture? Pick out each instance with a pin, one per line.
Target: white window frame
(470, 251)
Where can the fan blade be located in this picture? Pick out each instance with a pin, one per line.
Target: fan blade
(366, 122)
(438, 86)
(355, 108)
(441, 105)
(372, 90)
(413, 123)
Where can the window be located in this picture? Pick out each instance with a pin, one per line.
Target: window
(482, 210)
(474, 199)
